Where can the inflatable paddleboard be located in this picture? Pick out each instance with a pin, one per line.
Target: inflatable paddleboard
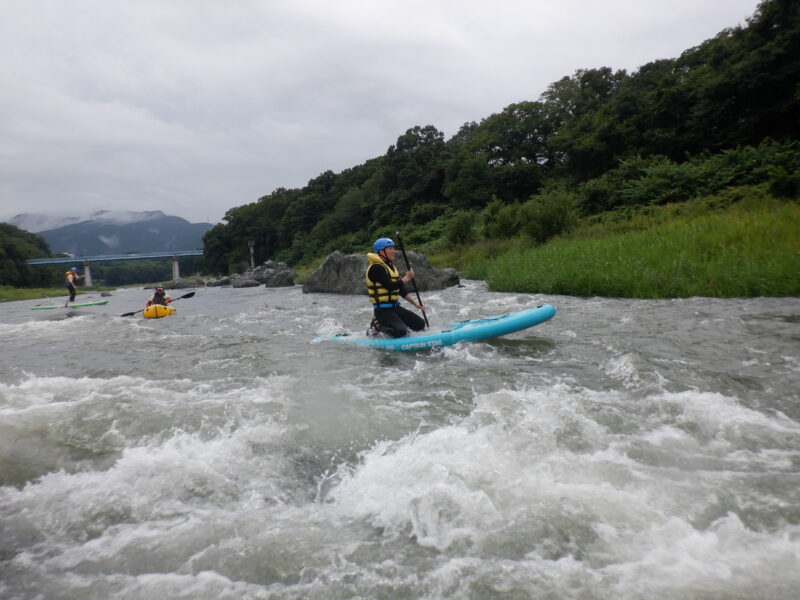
(453, 333)
(156, 311)
(75, 305)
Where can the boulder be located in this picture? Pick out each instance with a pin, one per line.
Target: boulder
(241, 281)
(182, 284)
(226, 280)
(281, 279)
(344, 274)
(271, 274)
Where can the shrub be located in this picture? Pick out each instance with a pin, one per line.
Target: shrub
(547, 215)
(460, 230)
(502, 220)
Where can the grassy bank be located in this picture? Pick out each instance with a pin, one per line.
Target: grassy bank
(11, 294)
(748, 248)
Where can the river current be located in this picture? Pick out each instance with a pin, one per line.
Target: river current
(625, 449)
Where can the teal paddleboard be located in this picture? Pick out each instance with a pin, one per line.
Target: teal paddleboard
(453, 333)
(77, 305)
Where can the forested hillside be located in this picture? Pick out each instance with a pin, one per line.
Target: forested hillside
(17, 246)
(722, 114)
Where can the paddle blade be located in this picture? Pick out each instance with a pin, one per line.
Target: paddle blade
(189, 295)
(130, 314)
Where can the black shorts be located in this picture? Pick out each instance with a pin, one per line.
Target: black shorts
(398, 321)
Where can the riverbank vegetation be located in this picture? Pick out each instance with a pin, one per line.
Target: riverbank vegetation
(11, 294)
(749, 248)
(17, 246)
(661, 182)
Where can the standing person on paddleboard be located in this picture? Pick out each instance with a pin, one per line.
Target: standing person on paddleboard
(71, 280)
(159, 297)
(385, 288)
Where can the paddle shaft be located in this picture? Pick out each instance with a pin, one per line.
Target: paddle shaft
(413, 283)
(130, 314)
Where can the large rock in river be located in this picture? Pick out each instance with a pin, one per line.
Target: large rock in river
(270, 274)
(344, 274)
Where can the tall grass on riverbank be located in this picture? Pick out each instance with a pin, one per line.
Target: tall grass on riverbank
(743, 252)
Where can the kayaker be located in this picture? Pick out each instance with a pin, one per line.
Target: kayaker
(385, 287)
(71, 280)
(159, 297)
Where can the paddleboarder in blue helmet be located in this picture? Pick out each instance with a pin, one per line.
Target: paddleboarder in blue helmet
(385, 287)
(71, 280)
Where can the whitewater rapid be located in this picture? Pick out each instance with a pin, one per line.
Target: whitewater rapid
(624, 449)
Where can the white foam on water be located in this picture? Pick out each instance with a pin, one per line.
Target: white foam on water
(623, 368)
(52, 423)
(675, 560)
(186, 460)
(37, 329)
(532, 474)
(331, 326)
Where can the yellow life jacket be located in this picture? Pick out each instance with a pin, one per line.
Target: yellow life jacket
(66, 276)
(379, 296)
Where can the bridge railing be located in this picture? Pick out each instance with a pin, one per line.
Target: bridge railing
(63, 260)
(88, 260)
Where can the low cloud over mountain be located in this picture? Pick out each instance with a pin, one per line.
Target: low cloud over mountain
(115, 232)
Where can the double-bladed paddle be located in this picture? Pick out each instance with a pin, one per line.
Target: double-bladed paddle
(130, 314)
(413, 283)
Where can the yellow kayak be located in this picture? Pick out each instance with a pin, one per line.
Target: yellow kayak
(156, 311)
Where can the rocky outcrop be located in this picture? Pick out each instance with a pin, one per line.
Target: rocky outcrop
(270, 274)
(219, 281)
(344, 274)
(240, 281)
(182, 284)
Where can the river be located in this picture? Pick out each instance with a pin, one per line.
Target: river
(625, 449)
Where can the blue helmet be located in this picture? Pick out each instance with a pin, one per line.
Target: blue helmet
(73, 268)
(382, 243)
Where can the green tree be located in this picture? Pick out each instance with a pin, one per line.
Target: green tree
(460, 231)
(16, 247)
(590, 138)
(468, 181)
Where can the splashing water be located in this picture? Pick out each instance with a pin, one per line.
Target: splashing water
(624, 449)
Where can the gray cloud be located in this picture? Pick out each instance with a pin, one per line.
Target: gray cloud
(194, 107)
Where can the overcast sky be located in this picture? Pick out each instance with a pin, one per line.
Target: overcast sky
(196, 106)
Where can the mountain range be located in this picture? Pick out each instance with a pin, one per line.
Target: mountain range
(114, 232)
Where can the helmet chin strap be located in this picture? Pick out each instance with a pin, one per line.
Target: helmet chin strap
(383, 255)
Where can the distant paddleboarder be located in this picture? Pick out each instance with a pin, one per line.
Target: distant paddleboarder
(71, 282)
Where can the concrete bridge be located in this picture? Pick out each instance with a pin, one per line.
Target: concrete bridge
(88, 260)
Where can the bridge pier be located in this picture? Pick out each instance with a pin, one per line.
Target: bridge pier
(176, 272)
(87, 273)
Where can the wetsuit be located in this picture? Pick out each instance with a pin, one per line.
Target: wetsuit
(385, 288)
